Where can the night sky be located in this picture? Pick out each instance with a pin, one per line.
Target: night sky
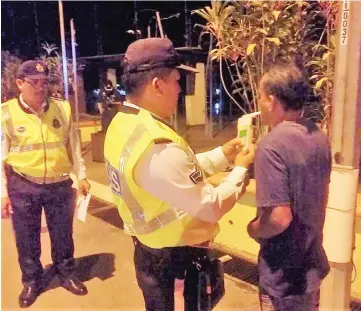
(100, 26)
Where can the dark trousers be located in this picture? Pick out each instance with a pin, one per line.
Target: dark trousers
(27, 200)
(305, 302)
(156, 271)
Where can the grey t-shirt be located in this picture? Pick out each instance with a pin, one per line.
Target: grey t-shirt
(292, 167)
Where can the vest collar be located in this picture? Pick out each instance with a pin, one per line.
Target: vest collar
(156, 117)
(27, 109)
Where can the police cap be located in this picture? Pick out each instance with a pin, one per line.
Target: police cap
(151, 53)
(34, 69)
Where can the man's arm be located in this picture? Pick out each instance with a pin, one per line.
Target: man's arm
(168, 173)
(77, 159)
(272, 196)
(6, 208)
(272, 222)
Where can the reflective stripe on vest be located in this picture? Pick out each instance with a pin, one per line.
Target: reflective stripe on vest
(140, 226)
(25, 148)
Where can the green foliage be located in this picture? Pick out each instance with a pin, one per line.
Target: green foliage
(250, 35)
(9, 68)
(53, 60)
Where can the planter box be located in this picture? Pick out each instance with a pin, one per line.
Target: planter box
(97, 141)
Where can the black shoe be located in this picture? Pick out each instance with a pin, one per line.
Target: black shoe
(28, 296)
(74, 286)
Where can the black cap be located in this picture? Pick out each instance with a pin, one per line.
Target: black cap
(150, 53)
(34, 69)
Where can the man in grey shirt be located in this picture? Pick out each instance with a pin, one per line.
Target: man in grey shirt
(292, 170)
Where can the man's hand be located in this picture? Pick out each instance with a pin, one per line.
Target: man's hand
(84, 186)
(6, 208)
(232, 148)
(245, 157)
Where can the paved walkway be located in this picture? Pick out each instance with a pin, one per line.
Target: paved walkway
(104, 257)
(104, 262)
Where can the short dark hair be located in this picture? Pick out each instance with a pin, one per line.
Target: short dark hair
(134, 82)
(287, 82)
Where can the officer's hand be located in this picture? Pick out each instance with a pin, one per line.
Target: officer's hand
(232, 148)
(6, 208)
(245, 157)
(84, 186)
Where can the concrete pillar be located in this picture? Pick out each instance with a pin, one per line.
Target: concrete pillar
(339, 230)
(112, 76)
(196, 103)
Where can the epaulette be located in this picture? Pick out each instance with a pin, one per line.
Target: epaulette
(58, 99)
(8, 102)
(158, 141)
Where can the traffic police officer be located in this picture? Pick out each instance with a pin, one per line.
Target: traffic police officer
(39, 149)
(159, 184)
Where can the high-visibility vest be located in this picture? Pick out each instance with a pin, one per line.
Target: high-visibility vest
(154, 222)
(38, 148)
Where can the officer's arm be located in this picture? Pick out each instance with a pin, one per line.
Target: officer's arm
(75, 152)
(4, 154)
(168, 173)
(213, 161)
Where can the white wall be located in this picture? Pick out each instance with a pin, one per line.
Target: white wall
(112, 76)
(196, 104)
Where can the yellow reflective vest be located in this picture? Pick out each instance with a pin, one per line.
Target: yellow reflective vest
(38, 148)
(154, 222)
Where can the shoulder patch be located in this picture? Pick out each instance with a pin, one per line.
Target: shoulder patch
(58, 99)
(158, 141)
(8, 102)
(197, 176)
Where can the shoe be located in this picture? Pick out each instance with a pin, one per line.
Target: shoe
(28, 296)
(74, 286)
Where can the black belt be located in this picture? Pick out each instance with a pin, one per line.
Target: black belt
(157, 251)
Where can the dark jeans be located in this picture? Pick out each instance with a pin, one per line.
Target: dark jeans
(156, 271)
(305, 302)
(27, 200)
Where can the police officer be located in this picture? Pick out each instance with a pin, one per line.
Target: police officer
(159, 184)
(40, 147)
(108, 105)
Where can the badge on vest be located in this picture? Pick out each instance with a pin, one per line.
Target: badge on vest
(114, 179)
(21, 129)
(196, 176)
(56, 123)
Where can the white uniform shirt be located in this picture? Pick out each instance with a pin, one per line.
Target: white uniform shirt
(165, 169)
(75, 149)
